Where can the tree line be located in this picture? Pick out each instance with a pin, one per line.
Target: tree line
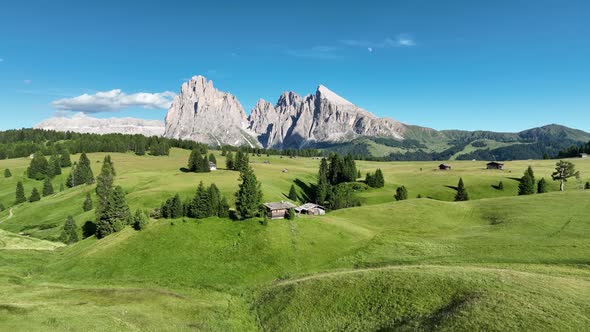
(207, 202)
(24, 142)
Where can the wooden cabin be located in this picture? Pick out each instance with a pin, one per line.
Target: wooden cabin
(278, 210)
(495, 165)
(311, 209)
(444, 167)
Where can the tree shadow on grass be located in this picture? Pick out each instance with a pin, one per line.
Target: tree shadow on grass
(453, 187)
(88, 229)
(308, 190)
(515, 179)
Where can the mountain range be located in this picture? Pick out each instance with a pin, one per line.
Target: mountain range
(202, 113)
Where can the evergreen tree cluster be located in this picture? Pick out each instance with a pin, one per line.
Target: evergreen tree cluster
(527, 185)
(206, 203)
(238, 162)
(81, 173)
(112, 212)
(24, 142)
(401, 193)
(40, 168)
(69, 234)
(225, 149)
(574, 151)
(375, 180)
(140, 220)
(198, 162)
(333, 189)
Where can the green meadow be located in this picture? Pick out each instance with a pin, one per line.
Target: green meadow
(499, 262)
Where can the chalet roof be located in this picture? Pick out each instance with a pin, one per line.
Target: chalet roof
(309, 206)
(495, 163)
(212, 164)
(444, 165)
(279, 205)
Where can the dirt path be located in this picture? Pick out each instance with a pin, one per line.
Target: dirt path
(10, 214)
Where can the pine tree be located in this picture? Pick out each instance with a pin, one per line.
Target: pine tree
(65, 159)
(229, 161)
(20, 193)
(201, 204)
(401, 193)
(379, 180)
(47, 187)
(358, 174)
(348, 169)
(542, 186)
(7, 173)
(87, 206)
(527, 183)
(176, 208)
(83, 171)
(223, 208)
(214, 199)
(293, 194)
(500, 185)
(69, 234)
(35, 197)
(335, 169)
(241, 161)
(212, 158)
(39, 167)
(71, 180)
(55, 165)
(140, 220)
(249, 194)
(205, 164)
(322, 188)
(119, 211)
(462, 194)
(194, 161)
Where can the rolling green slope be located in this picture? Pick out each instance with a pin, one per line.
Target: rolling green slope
(497, 262)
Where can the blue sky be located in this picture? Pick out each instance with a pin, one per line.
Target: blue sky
(495, 65)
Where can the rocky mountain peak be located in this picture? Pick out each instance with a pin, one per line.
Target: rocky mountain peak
(323, 92)
(202, 113)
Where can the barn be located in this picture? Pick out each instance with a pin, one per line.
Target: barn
(311, 209)
(444, 167)
(495, 165)
(278, 210)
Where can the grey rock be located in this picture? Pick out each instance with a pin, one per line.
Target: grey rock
(204, 114)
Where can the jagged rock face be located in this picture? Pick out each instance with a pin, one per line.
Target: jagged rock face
(81, 123)
(323, 117)
(204, 114)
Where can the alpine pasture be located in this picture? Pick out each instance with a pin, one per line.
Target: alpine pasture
(497, 262)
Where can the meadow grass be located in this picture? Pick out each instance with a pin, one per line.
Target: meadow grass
(497, 262)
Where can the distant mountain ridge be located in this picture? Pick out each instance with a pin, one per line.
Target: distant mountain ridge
(323, 120)
(80, 123)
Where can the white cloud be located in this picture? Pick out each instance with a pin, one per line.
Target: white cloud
(114, 100)
(317, 52)
(400, 41)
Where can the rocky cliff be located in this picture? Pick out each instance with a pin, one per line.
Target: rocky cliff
(204, 114)
(324, 117)
(81, 123)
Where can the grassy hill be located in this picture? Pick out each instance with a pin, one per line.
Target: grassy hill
(498, 262)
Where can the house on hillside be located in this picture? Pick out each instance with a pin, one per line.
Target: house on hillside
(444, 167)
(583, 155)
(495, 165)
(278, 210)
(311, 209)
(212, 166)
